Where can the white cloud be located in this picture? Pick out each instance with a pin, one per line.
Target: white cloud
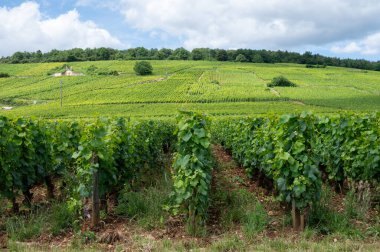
(272, 24)
(370, 45)
(23, 28)
(109, 4)
(352, 47)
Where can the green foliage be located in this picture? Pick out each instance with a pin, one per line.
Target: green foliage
(25, 148)
(281, 81)
(290, 150)
(108, 72)
(192, 169)
(258, 56)
(34, 150)
(4, 75)
(95, 154)
(180, 54)
(377, 66)
(295, 167)
(343, 143)
(241, 58)
(94, 70)
(121, 152)
(143, 68)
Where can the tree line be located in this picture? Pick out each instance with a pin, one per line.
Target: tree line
(141, 53)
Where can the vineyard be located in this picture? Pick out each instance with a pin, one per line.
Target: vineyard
(96, 169)
(297, 151)
(111, 160)
(218, 88)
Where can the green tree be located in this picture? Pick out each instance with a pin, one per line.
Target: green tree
(197, 54)
(241, 58)
(256, 58)
(164, 53)
(143, 68)
(377, 66)
(221, 55)
(181, 54)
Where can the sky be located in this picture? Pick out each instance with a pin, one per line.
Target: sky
(340, 28)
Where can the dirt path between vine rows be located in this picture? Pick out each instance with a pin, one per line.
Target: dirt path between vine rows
(231, 176)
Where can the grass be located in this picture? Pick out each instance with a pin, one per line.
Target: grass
(255, 221)
(62, 218)
(358, 203)
(145, 206)
(22, 228)
(242, 208)
(229, 242)
(219, 88)
(239, 206)
(54, 219)
(325, 220)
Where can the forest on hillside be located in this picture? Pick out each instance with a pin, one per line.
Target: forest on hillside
(141, 53)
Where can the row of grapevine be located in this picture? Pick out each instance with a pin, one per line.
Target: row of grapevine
(118, 151)
(26, 157)
(294, 151)
(192, 169)
(113, 153)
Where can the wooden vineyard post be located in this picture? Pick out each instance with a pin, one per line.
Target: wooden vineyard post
(50, 187)
(302, 222)
(15, 206)
(298, 218)
(295, 218)
(95, 194)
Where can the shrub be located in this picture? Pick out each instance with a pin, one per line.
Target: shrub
(315, 66)
(4, 75)
(143, 68)
(92, 69)
(110, 72)
(281, 81)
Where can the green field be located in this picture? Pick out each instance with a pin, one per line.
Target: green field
(219, 88)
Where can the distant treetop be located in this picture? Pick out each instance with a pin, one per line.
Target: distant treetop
(141, 53)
